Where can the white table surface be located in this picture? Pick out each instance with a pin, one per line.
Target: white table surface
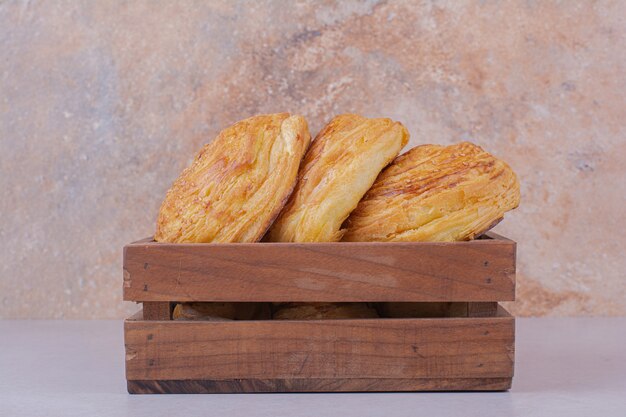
(564, 367)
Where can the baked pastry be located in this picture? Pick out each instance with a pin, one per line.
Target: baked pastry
(435, 193)
(338, 169)
(237, 184)
(221, 311)
(317, 311)
(340, 166)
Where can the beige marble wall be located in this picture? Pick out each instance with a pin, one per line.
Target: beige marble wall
(103, 103)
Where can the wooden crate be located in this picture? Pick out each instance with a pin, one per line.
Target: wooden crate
(473, 352)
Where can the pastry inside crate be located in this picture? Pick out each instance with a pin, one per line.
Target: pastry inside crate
(216, 311)
(221, 311)
(236, 190)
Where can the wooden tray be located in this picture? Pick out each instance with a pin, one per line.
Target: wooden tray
(474, 352)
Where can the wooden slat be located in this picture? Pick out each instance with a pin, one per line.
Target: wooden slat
(363, 348)
(157, 310)
(480, 270)
(317, 385)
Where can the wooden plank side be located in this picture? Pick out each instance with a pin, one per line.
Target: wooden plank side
(317, 385)
(480, 270)
(366, 348)
(157, 310)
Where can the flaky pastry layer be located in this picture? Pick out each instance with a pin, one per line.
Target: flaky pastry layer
(338, 169)
(435, 193)
(237, 184)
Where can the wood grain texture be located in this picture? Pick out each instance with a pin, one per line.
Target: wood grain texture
(479, 270)
(316, 385)
(157, 310)
(337, 349)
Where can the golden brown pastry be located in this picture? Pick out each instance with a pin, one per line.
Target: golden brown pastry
(340, 166)
(221, 311)
(435, 193)
(237, 184)
(316, 311)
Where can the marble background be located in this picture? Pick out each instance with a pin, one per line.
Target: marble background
(102, 104)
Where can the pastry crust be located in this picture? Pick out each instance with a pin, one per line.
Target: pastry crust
(340, 166)
(237, 184)
(435, 193)
(221, 311)
(317, 311)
